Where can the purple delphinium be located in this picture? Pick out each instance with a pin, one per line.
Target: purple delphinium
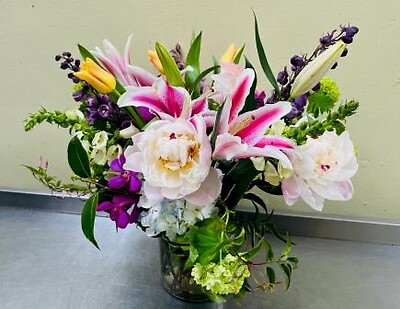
(118, 209)
(125, 179)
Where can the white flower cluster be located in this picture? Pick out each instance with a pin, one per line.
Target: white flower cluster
(174, 217)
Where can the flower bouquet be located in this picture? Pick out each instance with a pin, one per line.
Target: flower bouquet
(174, 153)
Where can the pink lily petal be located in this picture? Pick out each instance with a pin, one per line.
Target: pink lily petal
(240, 92)
(199, 105)
(223, 125)
(209, 190)
(276, 141)
(142, 96)
(251, 125)
(228, 146)
(142, 77)
(173, 97)
(127, 53)
(267, 151)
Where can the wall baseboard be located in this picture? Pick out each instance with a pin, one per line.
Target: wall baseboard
(354, 229)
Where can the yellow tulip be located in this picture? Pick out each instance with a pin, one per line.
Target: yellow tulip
(153, 57)
(96, 76)
(230, 54)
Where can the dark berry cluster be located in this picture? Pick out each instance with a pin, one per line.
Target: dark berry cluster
(100, 107)
(69, 63)
(177, 54)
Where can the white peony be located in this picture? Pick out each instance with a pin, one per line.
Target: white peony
(322, 169)
(174, 157)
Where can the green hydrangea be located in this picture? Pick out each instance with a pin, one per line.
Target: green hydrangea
(324, 98)
(225, 277)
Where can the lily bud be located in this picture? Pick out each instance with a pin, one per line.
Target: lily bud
(96, 76)
(312, 73)
(230, 54)
(152, 55)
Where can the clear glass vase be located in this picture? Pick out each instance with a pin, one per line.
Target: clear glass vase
(175, 279)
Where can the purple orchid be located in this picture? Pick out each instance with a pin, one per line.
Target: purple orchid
(118, 209)
(124, 179)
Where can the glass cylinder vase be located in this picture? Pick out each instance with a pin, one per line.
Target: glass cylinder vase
(175, 278)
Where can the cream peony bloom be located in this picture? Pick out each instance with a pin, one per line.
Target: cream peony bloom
(174, 157)
(322, 170)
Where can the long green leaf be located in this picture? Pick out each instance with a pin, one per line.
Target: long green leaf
(78, 159)
(193, 59)
(171, 70)
(239, 55)
(263, 58)
(88, 217)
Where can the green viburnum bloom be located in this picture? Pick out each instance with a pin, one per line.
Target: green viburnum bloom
(324, 98)
(223, 278)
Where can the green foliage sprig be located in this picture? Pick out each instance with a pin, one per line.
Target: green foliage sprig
(59, 118)
(56, 185)
(314, 128)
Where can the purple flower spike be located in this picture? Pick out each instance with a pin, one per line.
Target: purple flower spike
(118, 209)
(125, 179)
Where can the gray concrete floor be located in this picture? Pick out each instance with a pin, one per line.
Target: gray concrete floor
(46, 263)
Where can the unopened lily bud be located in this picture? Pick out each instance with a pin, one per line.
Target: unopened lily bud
(153, 57)
(96, 76)
(312, 73)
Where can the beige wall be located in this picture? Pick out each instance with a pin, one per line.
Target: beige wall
(32, 32)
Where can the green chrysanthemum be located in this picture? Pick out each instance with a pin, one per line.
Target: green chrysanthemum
(324, 98)
(223, 278)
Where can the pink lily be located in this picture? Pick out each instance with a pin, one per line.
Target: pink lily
(167, 102)
(242, 136)
(120, 67)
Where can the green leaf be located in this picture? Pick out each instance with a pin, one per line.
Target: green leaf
(206, 239)
(287, 270)
(239, 54)
(263, 58)
(78, 159)
(193, 59)
(87, 54)
(88, 217)
(270, 272)
(171, 70)
(216, 65)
